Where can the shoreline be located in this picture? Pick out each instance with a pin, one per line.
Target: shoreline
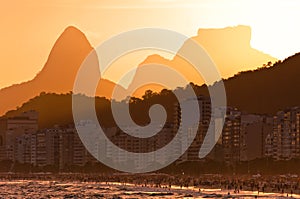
(284, 185)
(118, 190)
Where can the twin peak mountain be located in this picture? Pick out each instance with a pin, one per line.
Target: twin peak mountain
(229, 48)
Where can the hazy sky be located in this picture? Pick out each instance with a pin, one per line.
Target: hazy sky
(29, 28)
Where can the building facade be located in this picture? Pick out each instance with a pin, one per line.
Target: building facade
(285, 144)
(16, 135)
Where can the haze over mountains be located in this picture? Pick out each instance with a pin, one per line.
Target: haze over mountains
(58, 73)
(229, 48)
(264, 91)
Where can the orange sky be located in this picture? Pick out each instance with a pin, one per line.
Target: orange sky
(29, 28)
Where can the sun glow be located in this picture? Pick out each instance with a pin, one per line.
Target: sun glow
(30, 28)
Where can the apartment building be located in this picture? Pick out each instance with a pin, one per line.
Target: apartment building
(285, 137)
(17, 132)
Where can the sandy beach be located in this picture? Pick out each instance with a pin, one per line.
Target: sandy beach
(120, 185)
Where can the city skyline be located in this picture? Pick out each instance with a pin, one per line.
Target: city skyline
(245, 137)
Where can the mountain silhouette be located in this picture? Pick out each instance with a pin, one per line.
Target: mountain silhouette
(267, 89)
(56, 109)
(229, 48)
(58, 73)
(264, 91)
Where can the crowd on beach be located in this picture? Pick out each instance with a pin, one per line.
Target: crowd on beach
(283, 184)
